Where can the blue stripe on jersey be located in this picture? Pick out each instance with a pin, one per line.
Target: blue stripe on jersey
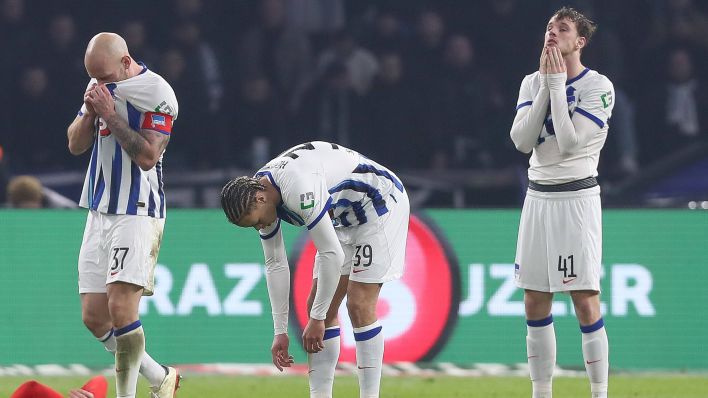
(358, 208)
(98, 193)
(289, 216)
(272, 234)
(343, 219)
(134, 123)
(116, 174)
(111, 88)
(270, 177)
(160, 190)
(359, 212)
(523, 104)
(325, 208)
(576, 78)
(133, 116)
(358, 186)
(134, 189)
(92, 171)
(151, 204)
(368, 168)
(590, 116)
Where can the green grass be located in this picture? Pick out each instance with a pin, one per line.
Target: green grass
(621, 386)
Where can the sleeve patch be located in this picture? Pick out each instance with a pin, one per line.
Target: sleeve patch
(159, 122)
(606, 99)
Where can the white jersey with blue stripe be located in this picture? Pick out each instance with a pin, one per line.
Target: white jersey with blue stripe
(589, 94)
(316, 177)
(115, 184)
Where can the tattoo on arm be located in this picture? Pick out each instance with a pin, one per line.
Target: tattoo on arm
(132, 143)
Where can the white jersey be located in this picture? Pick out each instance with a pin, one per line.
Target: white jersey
(316, 177)
(115, 184)
(589, 94)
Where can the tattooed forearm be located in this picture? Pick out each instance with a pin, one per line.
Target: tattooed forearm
(164, 139)
(132, 142)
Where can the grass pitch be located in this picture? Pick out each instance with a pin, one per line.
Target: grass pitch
(199, 386)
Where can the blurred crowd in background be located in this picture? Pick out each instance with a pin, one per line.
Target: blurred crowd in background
(414, 84)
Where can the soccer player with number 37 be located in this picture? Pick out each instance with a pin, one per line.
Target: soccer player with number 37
(562, 115)
(357, 215)
(126, 121)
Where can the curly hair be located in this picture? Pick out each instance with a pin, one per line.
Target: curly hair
(238, 195)
(583, 24)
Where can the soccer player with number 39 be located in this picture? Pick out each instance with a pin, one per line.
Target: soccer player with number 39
(357, 214)
(562, 116)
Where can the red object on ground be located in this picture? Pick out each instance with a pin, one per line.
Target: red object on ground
(98, 386)
(35, 389)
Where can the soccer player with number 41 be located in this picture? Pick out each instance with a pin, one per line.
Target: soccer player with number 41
(562, 115)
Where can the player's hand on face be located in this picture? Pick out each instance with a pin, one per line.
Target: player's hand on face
(101, 100)
(557, 63)
(89, 108)
(79, 394)
(313, 336)
(279, 351)
(543, 64)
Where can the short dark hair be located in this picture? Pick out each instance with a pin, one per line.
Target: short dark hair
(238, 195)
(583, 24)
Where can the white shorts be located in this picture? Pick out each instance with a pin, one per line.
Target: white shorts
(560, 241)
(375, 252)
(119, 248)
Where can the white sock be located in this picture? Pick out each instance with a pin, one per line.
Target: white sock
(541, 350)
(153, 371)
(322, 365)
(369, 359)
(596, 354)
(130, 348)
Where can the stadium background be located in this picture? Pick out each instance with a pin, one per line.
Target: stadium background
(426, 87)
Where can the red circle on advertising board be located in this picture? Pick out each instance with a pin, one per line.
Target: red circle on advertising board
(431, 277)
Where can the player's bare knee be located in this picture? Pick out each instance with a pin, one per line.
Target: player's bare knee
(537, 304)
(361, 313)
(121, 313)
(587, 307)
(98, 325)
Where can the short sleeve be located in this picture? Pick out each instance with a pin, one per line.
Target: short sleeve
(597, 102)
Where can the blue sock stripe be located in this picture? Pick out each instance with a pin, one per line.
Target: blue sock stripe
(369, 334)
(591, 328)
(126, 329)
(109, 335)
(330, 333)
(541, 322)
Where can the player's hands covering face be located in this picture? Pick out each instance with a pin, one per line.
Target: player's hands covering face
(89, 108)
(556, 63)
(101, 99)
(543, 64)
